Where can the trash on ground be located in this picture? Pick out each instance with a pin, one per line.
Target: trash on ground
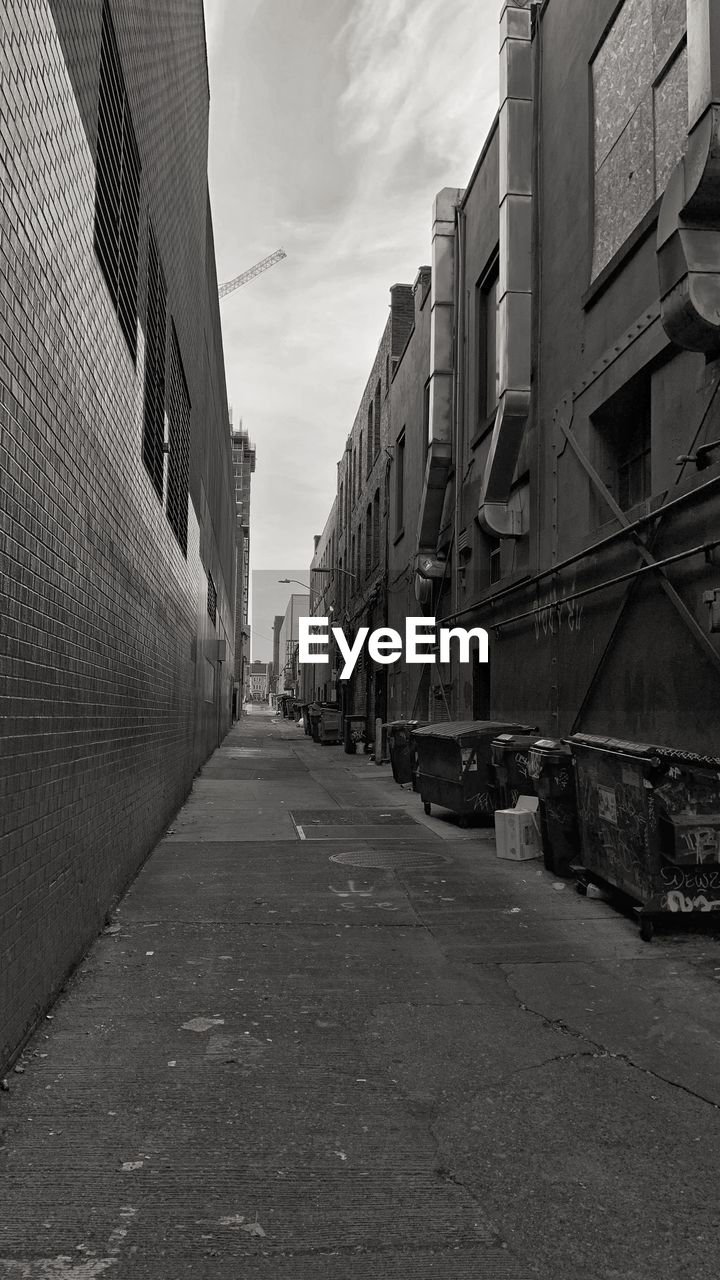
(202, 1024)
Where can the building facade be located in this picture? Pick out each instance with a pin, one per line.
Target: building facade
(116, 495)
(558, 394)
(289, 671)
(361, 506)
(243, 458)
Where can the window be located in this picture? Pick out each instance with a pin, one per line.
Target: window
(358, 574)
(369, 539)
(211, 599)
(494, 551)
(153, 447)
(117, 187)
(622, 445)
(376, 528)
(377, 419)
(640, 110)
(400, 484)
(179, 459)
(369, 458)
(488, 373)
(426, 422)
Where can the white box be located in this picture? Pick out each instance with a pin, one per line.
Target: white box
(517, 831)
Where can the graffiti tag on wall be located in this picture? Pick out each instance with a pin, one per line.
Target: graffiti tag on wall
(553, 615)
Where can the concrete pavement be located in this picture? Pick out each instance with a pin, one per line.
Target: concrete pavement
(327, 1036)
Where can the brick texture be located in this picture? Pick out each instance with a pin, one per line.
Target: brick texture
(112, 694)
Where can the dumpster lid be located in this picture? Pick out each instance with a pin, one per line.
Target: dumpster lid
(458, 730)
(516, 740)
(401, 724)
(618, 746)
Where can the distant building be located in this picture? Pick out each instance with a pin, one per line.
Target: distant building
(116, 484)
(258, 677)
(243, 456)
(289, 673)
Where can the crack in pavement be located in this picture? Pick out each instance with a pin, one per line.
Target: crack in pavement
(562, 1028)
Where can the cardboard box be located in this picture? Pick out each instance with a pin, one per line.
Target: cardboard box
(517, 831)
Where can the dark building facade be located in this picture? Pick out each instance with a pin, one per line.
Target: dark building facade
(567, 361)
(243, 459)
(116, 490)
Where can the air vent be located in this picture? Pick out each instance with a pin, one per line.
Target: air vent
(179, 460)
(117, 187)
(211, 599)
(154, 411)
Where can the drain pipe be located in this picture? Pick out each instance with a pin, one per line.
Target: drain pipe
(514, 350)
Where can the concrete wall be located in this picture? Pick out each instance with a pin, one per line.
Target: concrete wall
(113, 693)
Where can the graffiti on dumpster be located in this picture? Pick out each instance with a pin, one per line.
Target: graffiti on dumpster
(702, 843)
(690, 881)
(616, 827)
(483, 802)
(553, 615)
(677, 901)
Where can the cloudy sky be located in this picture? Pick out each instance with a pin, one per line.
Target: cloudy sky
(333, 125)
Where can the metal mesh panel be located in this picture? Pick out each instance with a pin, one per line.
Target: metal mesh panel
(179, 459)
(154, 410)
(117, 188)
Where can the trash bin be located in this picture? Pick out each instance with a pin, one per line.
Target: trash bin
(650, 825)
(401, 748)
(353, 731)
(329, 725)
(314, 712)
(454, 764)
(509, 753)
(551, 770)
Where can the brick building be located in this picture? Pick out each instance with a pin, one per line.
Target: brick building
(567, 361)
(361, 510)
(116, 491)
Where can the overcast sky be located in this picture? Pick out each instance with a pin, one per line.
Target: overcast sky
(333, 123)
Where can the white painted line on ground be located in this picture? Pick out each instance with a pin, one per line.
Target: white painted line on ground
(300, 831)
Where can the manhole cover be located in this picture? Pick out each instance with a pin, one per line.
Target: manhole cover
(388, 860)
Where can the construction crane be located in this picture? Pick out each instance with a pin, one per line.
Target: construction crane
(231, 285)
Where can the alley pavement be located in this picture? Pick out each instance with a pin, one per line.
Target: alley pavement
(328, 1036)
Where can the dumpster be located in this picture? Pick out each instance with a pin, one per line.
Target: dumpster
(650, 825)
(509, 753)
(353, 731)
(329, 725)
(401, 748)
(551, 770)
(454, 764)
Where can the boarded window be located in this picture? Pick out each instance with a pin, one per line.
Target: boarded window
(117, 187)
(179, 460)
(153, 449)
(639, 80)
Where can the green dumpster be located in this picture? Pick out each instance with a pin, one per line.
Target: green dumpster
(454, 764)
(650, 825)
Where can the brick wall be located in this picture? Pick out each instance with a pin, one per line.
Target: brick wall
(112, 694)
